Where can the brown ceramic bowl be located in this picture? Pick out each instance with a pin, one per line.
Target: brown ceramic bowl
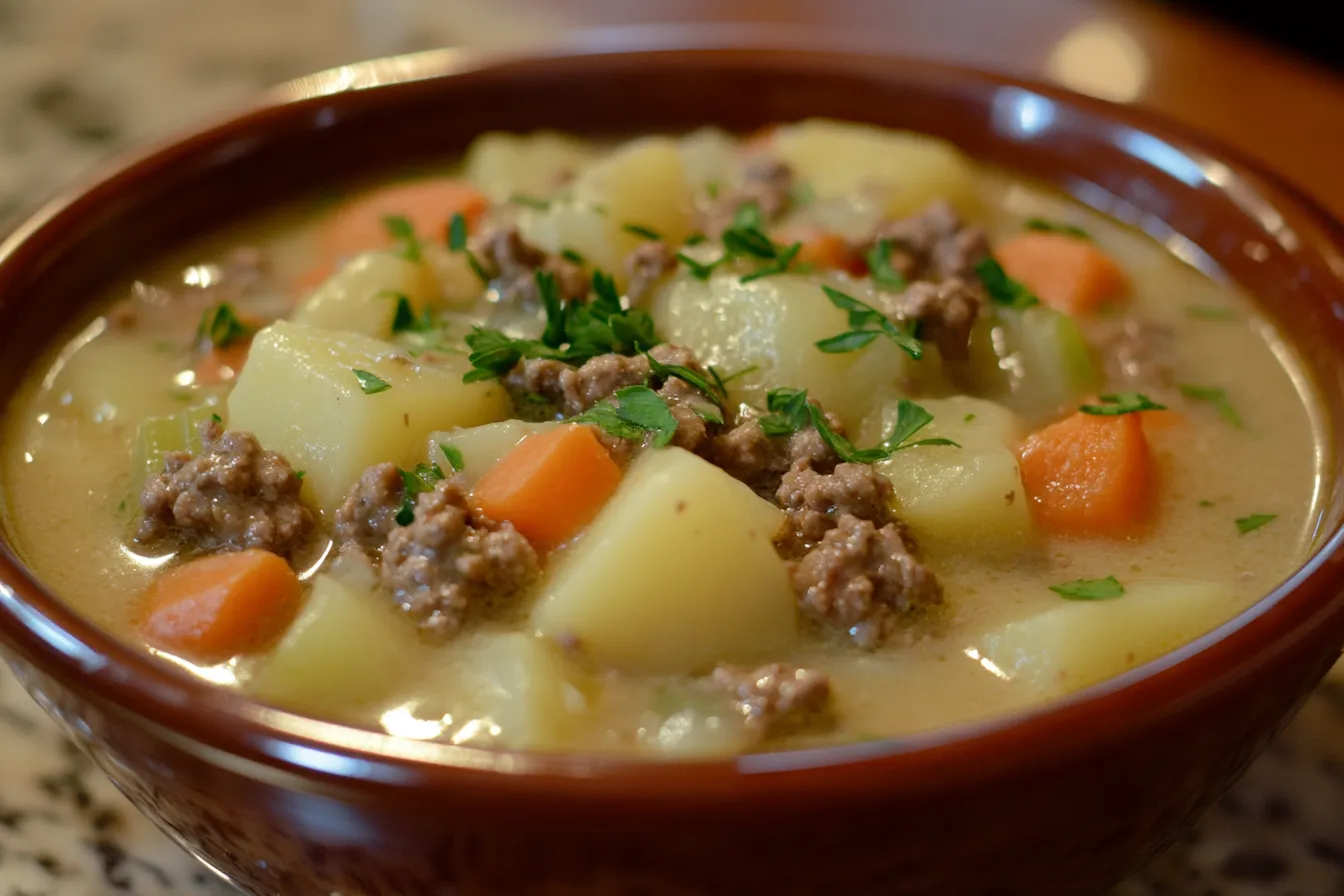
(1059, 801)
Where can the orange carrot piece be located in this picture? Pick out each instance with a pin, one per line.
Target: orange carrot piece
(823, 250)
(550, 485)
(1089, 475)
(359, 225)
(221, 365)
(216, 607)
(1068, 273)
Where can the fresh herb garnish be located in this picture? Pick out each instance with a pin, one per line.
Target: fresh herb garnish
(686, 374)
(696, 239)
(415, 482)
(494, 353)
(572, 257)
(370, 384)
(1210, 312)
(457, 232)
(1045, 226)
(453, 454)
(640, 230)
(866, 323)
(554, 334)
(910, 419)
(1002, 289)
(405, 320)
(530, 201)
(1122, 403)
(401, 230)
(712, 189)
(1254, 521)
(721, 382)
(218, 419)
(968, 418)
(699, 270)
(638, 410)
(1206, 503)
(1214, 396)
(1090, 589)
(743, 241)
(790, 411)
(221, 326)
(299, 474)
(879, 266)
(778, 266)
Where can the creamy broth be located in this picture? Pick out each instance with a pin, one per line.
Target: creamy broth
(71, 486)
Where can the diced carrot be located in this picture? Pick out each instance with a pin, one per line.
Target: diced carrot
(221, 365)
(823, 250)
(1066, 272)
(216, 607)
(550, 485)
(1089, 475)
(360, 226)
(1160, 420)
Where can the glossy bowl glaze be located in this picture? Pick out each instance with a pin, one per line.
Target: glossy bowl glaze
(1061, 801)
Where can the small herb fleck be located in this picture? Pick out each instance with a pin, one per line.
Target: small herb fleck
(968, 418)
(1216, 397)
(1210, 312)
(415, 482)
(699, 270)
(400, 229)
(457, 232)
(218, 419)
(638, 410)
(1090, 589)
(640, 230)
(879, 267)
(405, 320)
(299, 474)
(1002, 289)
(221, 326)
(370, 384)
(572, 257)
(1254, 521)
(778, 266)
(1206, 503)
(1046, 226)
(696, 239)
(865, 324)
(453, 455)
(1122, 403)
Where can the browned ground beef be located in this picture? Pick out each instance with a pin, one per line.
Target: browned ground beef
(766, 181)
(815, 502)
(934, 244)
(759, 460)
(863, 579)
(512, 264)
(646, 266)
(776, 699)
(946, 313)
(369, 512)
(1136, 354)
(445, 565)
(574, 390)
(232, 495)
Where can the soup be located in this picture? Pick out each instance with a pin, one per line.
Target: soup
(681, 446)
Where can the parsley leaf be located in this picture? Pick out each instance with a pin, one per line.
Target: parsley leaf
(742, 241)
(1210, 312)
(640, 230)
(1002, 289)
(572, 257)
(494, 353)
(453, 454)
(299, 474)
(748, 216)
(404, 319)
(415, 482)
(699, 270)
(221, 326)
(554, 334)
(686, 374)
(1122, 403)
(218, 419)
(638, 410)
(370, 384)
(401, 230)
(1090, 589)
(1254, 521)
(1214, 396)
(457, 232)
(778, 266)
(530, 201)
(606, 298)
(788, 411)
(696, 239)
(1045, 226)
(879, 267)
(863, 318)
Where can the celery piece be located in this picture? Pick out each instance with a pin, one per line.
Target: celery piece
(1053, 367)
(159, 435)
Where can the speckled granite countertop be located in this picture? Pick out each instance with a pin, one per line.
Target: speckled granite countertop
(82, 78)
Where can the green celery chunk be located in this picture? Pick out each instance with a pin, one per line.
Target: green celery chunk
(159, 435)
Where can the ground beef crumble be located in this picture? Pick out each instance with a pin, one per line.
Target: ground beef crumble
(369, 512)
(945, 311)
(815, 502)
(645, 267)
(446, 565)
(1136, 354)
(776, 699)
(231, 496)
(934, 244)
(513, 263)
(862, 578)
(766, 181)
(745, 452)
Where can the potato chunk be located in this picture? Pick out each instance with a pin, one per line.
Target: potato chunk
(1079, 643)
(504, 165)
(362, 296)
(299, 395)
(840, 158)
(677, 572)
(970, 495)
(481, 446)
(348, 650)
(642, 182)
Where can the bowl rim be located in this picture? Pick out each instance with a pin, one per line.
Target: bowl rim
(124, 679)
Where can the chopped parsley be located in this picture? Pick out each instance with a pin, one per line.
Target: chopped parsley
(879, 267)
(866, 323)
(1002, 289)
(638, 410)
(778, 266)
(221, 326)
(1255, 521)
(1210, 312)
(370, 384)
(1206, 503)
(1046, 226)
(572, 257)
(218, 419)
(968, 418)
(453, 455)
(457, 232)
(706, 385)
(1121, 403)
(1216, 397)
(790, 411)
(1090, 589)
(405, 320)
(299, 474)
(700, 270)
(748, 241)
(414, 483)
(640, 230)
(530, 201)
(400, 229)
(696, 239)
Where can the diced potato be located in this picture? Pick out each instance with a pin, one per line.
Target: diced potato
(677, 572)
(503, 165)
(299, 395)
(1079, 643)
(580, 226)
(349, 649)
(776, 322)
(116, 379)
(362, 296)
(708, 155)
(481, 446)
(970, 495)
(509, 689)
(458, 283)
(644, 183)
(840, 158)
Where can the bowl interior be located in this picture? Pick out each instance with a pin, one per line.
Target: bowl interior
(1202, 203)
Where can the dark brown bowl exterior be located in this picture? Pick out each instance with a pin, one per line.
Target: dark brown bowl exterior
(1062, 801)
